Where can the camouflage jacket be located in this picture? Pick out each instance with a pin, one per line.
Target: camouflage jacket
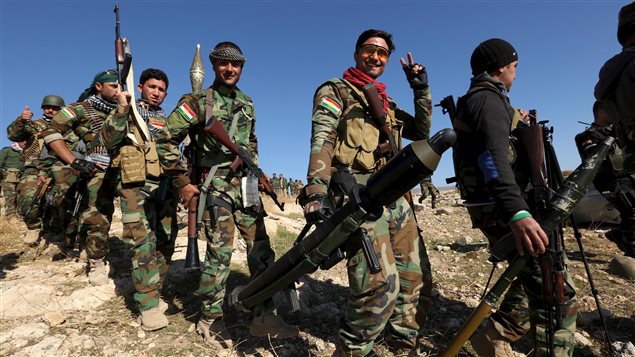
(343, 134)
(615, 89)
(32, 131)
(80, 118)
(10, 159)
(483, 157)
(115, 129)
(189, 118)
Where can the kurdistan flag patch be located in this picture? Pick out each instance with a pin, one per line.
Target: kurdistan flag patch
(69, 113)
(186, 112)
(331, 105)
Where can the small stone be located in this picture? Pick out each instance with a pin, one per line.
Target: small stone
(54, 318)
(141, 334)
(580, 339)
(623, 266)
(191, 328)
(464, 240)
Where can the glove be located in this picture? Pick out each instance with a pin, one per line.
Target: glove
(318, 209)
(87, 169)
(418, 81)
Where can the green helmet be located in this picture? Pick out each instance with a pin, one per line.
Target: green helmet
(53, 100)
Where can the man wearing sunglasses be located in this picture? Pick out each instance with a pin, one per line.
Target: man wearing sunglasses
(346, 140)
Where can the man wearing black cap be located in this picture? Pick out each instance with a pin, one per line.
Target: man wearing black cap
(615, 89)
(487, 174)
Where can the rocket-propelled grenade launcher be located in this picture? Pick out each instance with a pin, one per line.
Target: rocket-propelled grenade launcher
(398, 176)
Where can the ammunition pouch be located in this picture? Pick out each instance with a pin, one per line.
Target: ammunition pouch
(12, 176)
(153, 167)
(249, 190)
(132, 161)
(211, 201)
(359, 140)
(485, 216)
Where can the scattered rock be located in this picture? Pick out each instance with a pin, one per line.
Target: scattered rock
(54, 318)
(582, 340)
(463, 240)
(624, 348)
(141, 334)
(28, 300)
(46, 347)
(443, 211)
(89, 298)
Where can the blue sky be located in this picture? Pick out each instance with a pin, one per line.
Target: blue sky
(56, 47)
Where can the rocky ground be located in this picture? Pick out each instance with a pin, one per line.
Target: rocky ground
(48, 308)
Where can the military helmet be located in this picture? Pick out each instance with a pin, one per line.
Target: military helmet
(53, 100)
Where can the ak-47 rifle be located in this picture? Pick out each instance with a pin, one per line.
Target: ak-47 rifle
(214, 128)
(392, 181)
(42, 188)
(534, 138)
(558, 208)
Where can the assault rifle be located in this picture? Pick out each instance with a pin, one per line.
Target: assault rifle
(392, 181)
(215, 129)
(42, 188)
(448, 106)
(122, 58)
(558, 206)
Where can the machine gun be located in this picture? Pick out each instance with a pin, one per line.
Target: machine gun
(393, 180)
(556, 209)
(215, 129)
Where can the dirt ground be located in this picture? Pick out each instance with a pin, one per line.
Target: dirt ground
(108, 327)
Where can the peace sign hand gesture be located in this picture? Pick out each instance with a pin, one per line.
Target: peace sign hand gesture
(415, 73)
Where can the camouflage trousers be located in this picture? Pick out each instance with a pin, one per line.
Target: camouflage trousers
(220, 226)
(390, 299)
(31, 211)
(149, 227)
(10, 195)
(97, 210)
(63, 191)
(524, 309)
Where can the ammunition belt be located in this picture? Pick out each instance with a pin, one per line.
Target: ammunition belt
(94, 120)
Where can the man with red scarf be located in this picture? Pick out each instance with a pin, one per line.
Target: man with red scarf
(345, 150)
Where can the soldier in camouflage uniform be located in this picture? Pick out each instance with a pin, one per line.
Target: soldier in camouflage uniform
(491, 187)
(345, 138)
(224, 102)
(11, 166)
(35, 173)
(149, 220)
(615, 89)
(86, 118)
(428, 189)
(275, 184)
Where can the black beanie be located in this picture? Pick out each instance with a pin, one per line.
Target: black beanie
(625, 22)
(492, 54)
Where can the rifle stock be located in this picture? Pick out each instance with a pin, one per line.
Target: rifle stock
(215, 129)
(377, 113)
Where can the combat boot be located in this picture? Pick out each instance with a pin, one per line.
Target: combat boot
(31, 236)
(342, 351)
(153, 319)
(214, 333)
(97, 272)
(272, 324)
(489, 343)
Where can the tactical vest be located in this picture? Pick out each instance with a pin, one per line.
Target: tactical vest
(210, 152)
(34, 144)
(469, 177)
(357, 134)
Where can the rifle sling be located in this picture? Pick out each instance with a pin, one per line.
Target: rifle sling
(209, 107)
(139, 140)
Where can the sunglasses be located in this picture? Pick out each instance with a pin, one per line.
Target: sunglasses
(369, 50)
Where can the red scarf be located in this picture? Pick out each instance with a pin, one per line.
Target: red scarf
(359, 79)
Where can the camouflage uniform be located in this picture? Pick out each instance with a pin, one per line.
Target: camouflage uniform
(224, 200)
(343, 136)
(491, 186)
(85, 120)
(11, 166)
(428, 189)
(34, 167)
(149, 220)
(615, 90)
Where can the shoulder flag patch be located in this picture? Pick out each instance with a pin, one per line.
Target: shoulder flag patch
(69, 113)
(157, 124)
(186, 112)
(331, 105)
